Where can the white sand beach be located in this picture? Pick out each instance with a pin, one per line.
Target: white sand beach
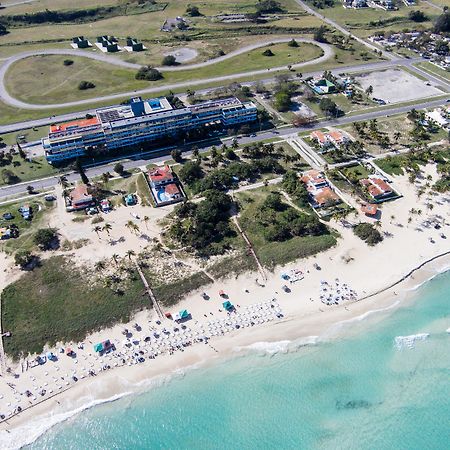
(265, 316)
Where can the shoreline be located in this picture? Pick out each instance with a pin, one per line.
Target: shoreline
(289, 334)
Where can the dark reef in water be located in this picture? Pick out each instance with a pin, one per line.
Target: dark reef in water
(353, 404)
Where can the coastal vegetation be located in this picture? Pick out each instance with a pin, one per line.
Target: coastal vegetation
(279, 232)
(368, 233)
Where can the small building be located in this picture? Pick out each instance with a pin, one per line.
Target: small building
(369, 209)
(320, 192)
(107, 44)
(133, 45)
(165, 186)
(80, 42)
(79, 198)
(330, 138)
(377, 188)
(439, 116)
(322, 86)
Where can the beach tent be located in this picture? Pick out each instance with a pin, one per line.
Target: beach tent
(228, 305)
(222, 293)
(98, 347)
(183, 314)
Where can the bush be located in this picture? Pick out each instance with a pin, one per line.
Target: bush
(268, 52)
(23, 258)
(442, 24)
(190, 172)
(177, 155)
(417, 16)
(3, 30)
(46, 238)
(169, 60)
(119, 169)
(319, 34)
(268, 6)
(148, 73)
(86, 85)
(282, 101)
(293, 43)
(368, 233)
(193, 11)
(67, 62)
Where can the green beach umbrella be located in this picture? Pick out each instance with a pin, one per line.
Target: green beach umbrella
(98, 347)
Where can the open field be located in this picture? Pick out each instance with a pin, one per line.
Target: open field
(147, 26)
(28, 79)
(366, 21)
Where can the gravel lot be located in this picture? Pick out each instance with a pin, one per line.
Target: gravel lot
(396, 85)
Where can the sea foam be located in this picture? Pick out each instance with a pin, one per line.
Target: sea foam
(409, 341)
(27, 434)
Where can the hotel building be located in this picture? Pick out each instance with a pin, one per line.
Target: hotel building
(140, 121)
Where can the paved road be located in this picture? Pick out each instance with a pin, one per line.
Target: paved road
(21, 2)
(10, 100)
(76, 115)
(139, 160)
(433, 5)
(343, 30)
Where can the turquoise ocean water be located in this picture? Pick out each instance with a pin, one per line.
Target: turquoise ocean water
(355, 392)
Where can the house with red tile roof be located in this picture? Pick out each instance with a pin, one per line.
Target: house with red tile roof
(334, 138)
(165, 186)
(377, 188)
(320, 192)
(79, 198)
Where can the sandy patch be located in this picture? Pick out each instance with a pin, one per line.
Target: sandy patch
(183, 54)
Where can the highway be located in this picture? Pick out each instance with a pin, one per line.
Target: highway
(138, 160)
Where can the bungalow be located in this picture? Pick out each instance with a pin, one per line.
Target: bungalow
(165, 186)
(331, 138)
(377, 188)
(322, 86)
(320, 192)
(79, 198)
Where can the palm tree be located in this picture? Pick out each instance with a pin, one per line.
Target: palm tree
(107, 227)
(397, 136)
(130, 253)
(130, 225)
(99, 265)
(62, 181)
(135, 228)
(97, 229)
(115, 258)
(146, 220)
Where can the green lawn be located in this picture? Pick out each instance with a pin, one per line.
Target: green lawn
(358, 21)
(276, 253)
(28, 79)
(27, 171)
(435, 70)
(26, 228)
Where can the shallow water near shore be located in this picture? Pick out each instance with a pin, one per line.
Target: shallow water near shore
(358, 391)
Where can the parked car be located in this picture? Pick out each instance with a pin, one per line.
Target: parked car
(130, 199)
(50, 198)
(92, 211)
(26, 212)
(8, 216)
